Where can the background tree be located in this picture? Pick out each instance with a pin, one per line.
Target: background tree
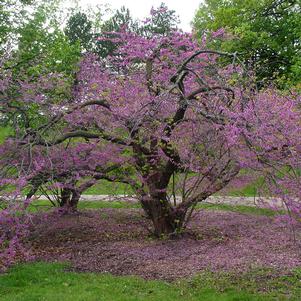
(79, 29)
(266, 34)
(39, 48)
(162, 21)
(13, 14)
(119, 21)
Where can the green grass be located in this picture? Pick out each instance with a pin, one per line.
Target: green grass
(238, 208)
(265, 281)
(50, 282)
(249, 190)
(46, 205)
(106, 187)
(107, 204)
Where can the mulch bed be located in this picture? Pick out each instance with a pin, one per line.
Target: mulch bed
(117, 241)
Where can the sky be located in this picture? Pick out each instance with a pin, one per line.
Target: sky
(140, 8)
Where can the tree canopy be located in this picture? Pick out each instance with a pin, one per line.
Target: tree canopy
(166, 114)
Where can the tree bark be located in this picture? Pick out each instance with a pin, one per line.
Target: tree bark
(75, 199)
(166, 219)
(69, 199)
(65, 197)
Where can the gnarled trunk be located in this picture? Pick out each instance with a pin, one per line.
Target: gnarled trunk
(65, 197)
(69, 199)
(166, 219)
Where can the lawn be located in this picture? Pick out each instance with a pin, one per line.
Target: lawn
(51, 282)
(104, 187)
(42, 205)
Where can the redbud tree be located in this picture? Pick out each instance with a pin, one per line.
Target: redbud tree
(176, 120)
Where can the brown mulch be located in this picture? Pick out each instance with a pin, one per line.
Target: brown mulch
(117, 241)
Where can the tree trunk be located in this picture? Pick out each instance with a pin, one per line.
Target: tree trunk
(65, 197)
(164, 225)
(74, 199)
(166, 219)
(69, 200)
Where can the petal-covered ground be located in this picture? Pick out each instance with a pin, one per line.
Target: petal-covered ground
(118, 241)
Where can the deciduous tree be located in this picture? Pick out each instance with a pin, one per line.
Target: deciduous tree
(265, 33)
(185, 123)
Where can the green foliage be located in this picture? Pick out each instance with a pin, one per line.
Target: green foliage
(121, 18)
(40, 48)
(45, 281)
(162, 21)
(43, 47)
(79, 29)
(4, 133)
(12, 16)
(266, 33)
(36, 43)
(4, 24)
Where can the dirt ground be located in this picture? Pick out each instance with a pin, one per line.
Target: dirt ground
(118, 241)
